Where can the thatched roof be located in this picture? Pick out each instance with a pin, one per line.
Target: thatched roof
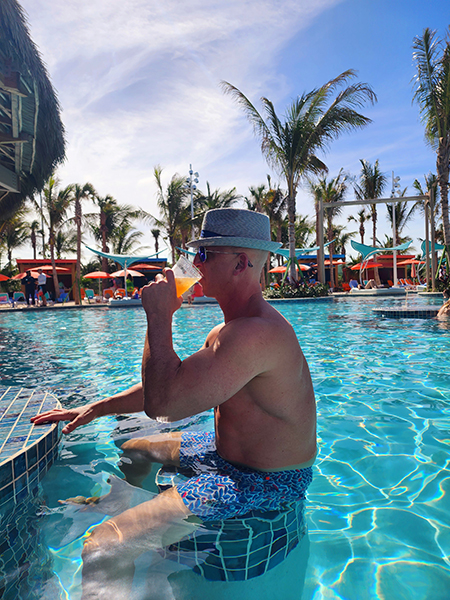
(31, 131)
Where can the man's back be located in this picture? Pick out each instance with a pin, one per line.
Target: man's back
(271, 422)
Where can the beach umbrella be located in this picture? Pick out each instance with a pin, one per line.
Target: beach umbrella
(50, 268)
(34, 274)
(410, 261)
(335, 262)
(282, 269)
(143, 267)
(98, 275)
(3, 277)
(369, 265)
(131, 272)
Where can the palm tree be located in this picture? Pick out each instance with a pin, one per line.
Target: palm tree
(403, 215)
(311, 122)
(156, 233)
(432, 93)
(34, 229)
(15, 234)
(215, 199)
(362, 218)
(370, 186)
(56, 204)
(124, 238)
(65, 242)
(175, 213)
(330, 192)
(257, 195)
(79, 193)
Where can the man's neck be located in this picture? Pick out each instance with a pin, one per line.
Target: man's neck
(238, 305)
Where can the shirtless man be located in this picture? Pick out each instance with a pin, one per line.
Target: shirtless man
(251, 370)
(444, 311)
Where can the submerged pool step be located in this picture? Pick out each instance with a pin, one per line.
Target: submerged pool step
(407, 313)
(26, 451)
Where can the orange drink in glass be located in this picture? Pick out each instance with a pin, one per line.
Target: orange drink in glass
(186, 274)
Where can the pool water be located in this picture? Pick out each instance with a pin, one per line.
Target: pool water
(377, 510)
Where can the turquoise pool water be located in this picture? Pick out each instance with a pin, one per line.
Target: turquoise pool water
(378, 508)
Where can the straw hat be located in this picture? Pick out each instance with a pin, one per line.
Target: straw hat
(236, 227)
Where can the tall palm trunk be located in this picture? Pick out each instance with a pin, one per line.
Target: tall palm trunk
(291, 231)
(362, 232)
(78, 265)
(442, 167)
(331, 247)
(103, 230)
(51, 242)
(376, 273)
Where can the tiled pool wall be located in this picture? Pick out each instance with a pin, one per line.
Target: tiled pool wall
(26, 451)
(407, 313)
(26, 454)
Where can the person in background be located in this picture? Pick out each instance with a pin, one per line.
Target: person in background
(42, 286)
(30, 286)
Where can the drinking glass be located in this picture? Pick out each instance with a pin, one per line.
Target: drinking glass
(186, 274)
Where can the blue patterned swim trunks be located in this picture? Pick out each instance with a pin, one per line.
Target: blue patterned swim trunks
(218, 490)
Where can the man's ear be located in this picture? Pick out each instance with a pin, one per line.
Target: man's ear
(242, 264)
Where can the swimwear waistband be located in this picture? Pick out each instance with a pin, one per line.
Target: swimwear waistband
(305, 465)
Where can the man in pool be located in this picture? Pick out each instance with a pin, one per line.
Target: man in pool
(251, 370)
(444, 311)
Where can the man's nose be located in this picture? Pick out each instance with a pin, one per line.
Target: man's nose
(197, 260)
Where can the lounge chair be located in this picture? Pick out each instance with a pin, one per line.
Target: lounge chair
(63, 297)
(107, 294)
(19, 298)
(90, 295)
(120, 293)
(4, 299)
(390, 283)
(346, 287)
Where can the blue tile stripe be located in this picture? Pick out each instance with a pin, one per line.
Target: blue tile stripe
(406, 313)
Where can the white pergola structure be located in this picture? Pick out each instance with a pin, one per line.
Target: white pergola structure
(429, 210)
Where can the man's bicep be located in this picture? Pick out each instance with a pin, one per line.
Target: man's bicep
(214, 374)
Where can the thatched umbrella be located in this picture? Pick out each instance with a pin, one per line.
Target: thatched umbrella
(31, 130)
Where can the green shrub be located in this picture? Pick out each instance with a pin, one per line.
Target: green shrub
(301, 291)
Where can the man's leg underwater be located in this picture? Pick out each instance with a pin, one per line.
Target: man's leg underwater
(110, 551)
(139, 454)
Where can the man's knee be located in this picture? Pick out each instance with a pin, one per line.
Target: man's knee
(162, 448)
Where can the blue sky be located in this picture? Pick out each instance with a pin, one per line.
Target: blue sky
(138, 82)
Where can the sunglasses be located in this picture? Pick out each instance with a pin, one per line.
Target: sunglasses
(202, 254)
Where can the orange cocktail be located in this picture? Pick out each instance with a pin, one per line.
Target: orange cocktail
(184, 283)
(186, 274)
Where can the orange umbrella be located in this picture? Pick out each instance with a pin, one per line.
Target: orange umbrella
(335, 262)
(144, 266)
(98, 275)
(3, 277)
(129, 272)
(370, 265)
(24, 274)
(410, 261)
(50, 268)
(282, 269)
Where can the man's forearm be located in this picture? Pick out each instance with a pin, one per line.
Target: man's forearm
(159, 367)
(128, 401)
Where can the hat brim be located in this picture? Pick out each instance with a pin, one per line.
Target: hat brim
(236, 242)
